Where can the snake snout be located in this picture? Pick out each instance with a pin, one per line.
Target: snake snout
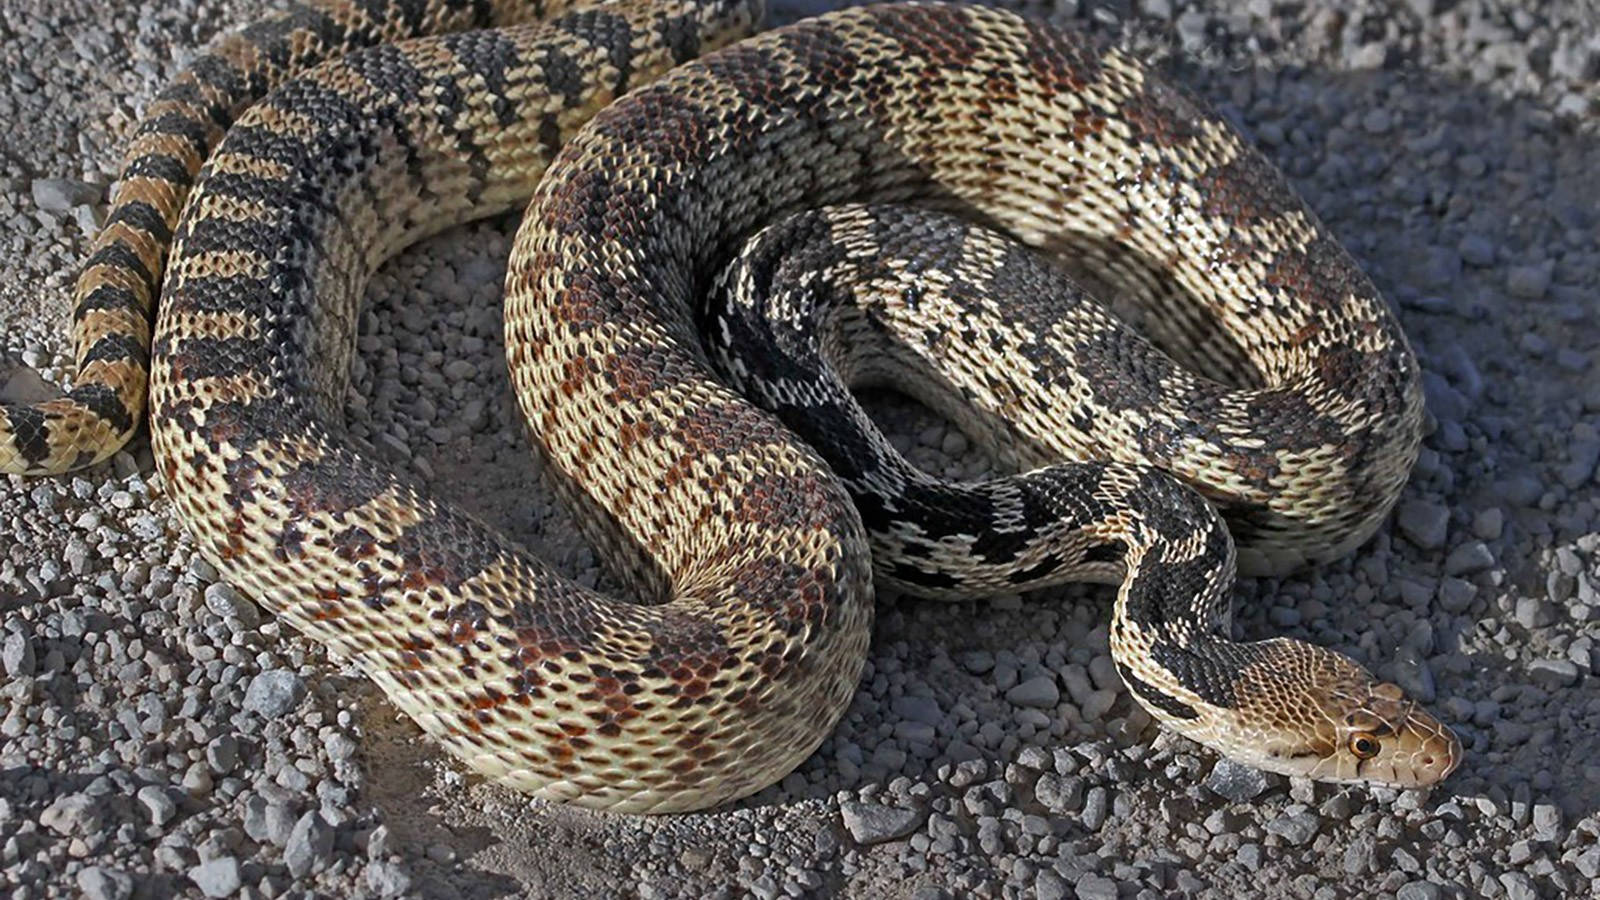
(1435, 751)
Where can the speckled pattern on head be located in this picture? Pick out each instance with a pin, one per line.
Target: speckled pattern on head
(749, 563)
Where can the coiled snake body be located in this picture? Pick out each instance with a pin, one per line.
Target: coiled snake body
(741, 532)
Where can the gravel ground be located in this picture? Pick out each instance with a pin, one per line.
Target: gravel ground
(161, 735)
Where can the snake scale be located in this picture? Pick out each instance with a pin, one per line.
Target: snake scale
(265, 185)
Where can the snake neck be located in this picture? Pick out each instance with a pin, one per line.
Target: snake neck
(1170, 628)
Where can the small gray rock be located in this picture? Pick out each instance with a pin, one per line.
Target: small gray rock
(158, 804)
(223, 600)
(1059, 794)
(1518, 886)
(1192, 29)
(16, 654)
(1048, 885)
(62, 194)
(977, 662)
(339, 746)
(1547, 822)
(1233, 781)
(1249, 856)
(393, 445)
(1296, 828)
(871, 823)
(387, 879)
(267, 822)
(1553, 673)
(255, 818)
(1096, 807)
(1456, 594)
(1529, 282)
(217, 878)
(1412, 672)
(197, 780)
(1473, 556)
(1438, 267)
(1419, 890)
(72, 814)
(101, 883)
(1039, 692)
(274, 693)
(1535, 612)
(918, 709)
(1424, 524)
(222, 753)
(1588, 862)
(1095, 887)
(1489, 523)
(310, 846)
(1157, 9)
(1361, 856)
(1476, 250)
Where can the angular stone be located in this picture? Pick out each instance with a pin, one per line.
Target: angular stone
(1535, 612)
(387, 879)
(1456, 594)
(62, 194)
(310, 846)
(1039, 692)
(1518, 886)
(1424, 524)
(1588, 862)
(1553, 673)
(1236, 782)
(217, 878)
(223, 600)
(274, 693)
(17, 656)
(1060, 794)
(1295, 828)
(1529, 282)
(1419, 890)
(1473, 556)
(872, 823)
(918, 709)
(1476, 250)
(1096, 887)
(73, 814)
(101, 883)
(158, 804)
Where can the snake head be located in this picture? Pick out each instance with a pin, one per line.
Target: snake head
(1338, 723)
(1298, 709)
(1380, 735)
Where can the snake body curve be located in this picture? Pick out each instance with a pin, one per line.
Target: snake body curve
(697, 499)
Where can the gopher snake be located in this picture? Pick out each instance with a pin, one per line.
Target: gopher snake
(695, 497)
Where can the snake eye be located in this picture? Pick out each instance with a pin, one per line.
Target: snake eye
(1364, 746)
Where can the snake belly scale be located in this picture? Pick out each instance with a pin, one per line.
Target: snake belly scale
(750, 559)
